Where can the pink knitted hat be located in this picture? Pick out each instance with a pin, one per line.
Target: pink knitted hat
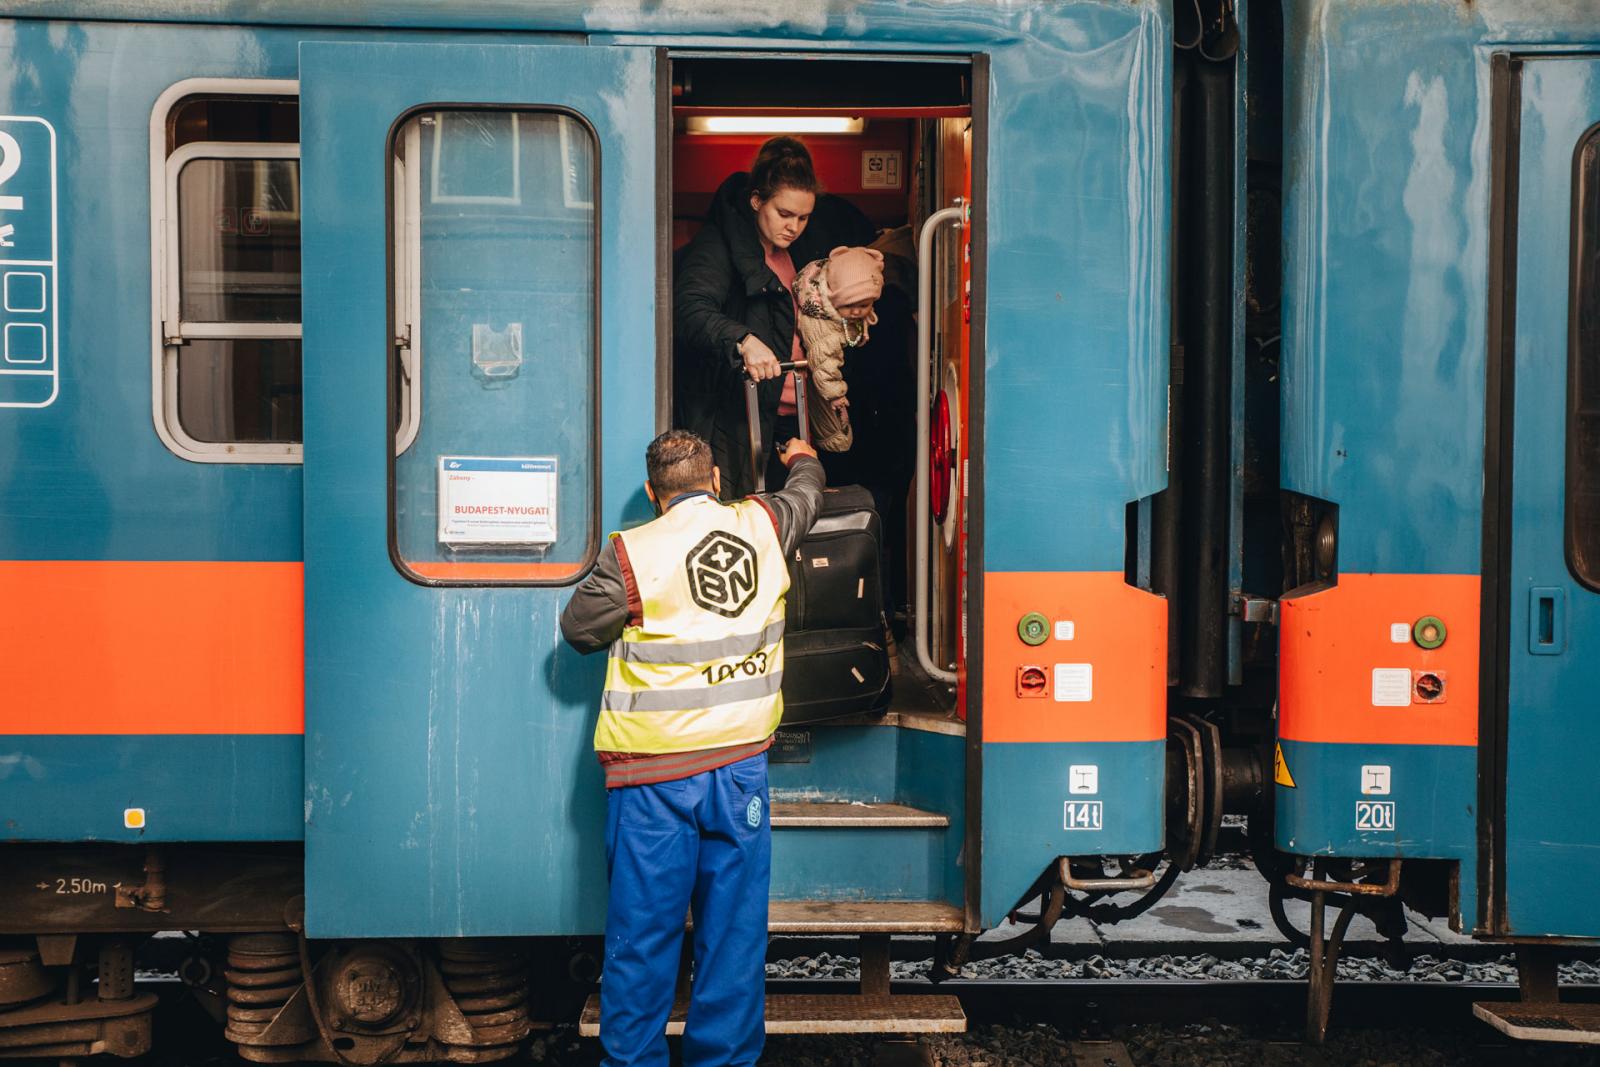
(855, 276)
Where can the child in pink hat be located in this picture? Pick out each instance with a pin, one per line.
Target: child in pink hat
(835, 297)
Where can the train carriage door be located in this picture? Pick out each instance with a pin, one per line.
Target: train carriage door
(1550, 583)
(479, 263)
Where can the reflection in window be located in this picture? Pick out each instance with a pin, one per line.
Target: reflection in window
(239, 240)
(240, 390)
(230, 294)
(1583, 403)
(495, 368)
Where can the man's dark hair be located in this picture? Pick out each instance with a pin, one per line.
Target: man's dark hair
(677, 462)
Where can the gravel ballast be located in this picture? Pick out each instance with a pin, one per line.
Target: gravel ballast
(1278, 964)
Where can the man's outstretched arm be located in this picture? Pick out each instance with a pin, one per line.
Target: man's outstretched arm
(796, 505)
(598, 610)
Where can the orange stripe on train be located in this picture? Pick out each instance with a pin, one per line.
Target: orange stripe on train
(1114, 664)
(188, 647)
(1331, 641)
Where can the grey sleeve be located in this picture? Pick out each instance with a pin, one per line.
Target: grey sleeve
(796, 505)
(598, 610)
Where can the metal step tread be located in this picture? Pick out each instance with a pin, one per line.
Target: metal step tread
(792, 1013)
(1577, 1024)
(863, 917)
(792, 814)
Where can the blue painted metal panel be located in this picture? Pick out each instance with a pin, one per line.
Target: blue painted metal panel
(1076, 347)
(87, 477)
(1434, 790)
(1026, 831)
(846, 763)
(449, 784)
(860, 864)
(890, 22)
(1386, 215)
(1076, 376)
(873, 763)
(192, 788)
(1552, 732)
(933, 777)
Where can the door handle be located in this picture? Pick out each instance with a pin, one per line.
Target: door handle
(1547, 620)
(919, 603)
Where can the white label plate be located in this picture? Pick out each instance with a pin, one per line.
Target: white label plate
(1374, 815)
(1075, 682)
(1391, 687)
(1083, 815)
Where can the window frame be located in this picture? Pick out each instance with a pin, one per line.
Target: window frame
(1585, 234)
(164, 269)
(406, 284)
(405, 226)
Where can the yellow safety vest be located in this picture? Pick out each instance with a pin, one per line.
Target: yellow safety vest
(700, 664)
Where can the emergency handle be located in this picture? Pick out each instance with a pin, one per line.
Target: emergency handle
(919, 605)
(752, 414)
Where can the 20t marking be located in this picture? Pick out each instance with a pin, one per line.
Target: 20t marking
(1374, 815)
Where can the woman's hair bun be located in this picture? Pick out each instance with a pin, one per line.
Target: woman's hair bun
(782, 163)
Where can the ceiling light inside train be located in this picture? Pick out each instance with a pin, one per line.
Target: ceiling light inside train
(775, 124)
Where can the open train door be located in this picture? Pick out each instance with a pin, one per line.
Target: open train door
(1544, 528)
(479, 388)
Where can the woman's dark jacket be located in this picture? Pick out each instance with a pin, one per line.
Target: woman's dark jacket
(723, 290)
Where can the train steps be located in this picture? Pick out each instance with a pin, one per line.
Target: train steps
(1525, 1020)
(833, 849)
(874, 1010)
(803, 1013)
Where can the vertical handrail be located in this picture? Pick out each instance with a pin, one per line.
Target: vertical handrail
(919, 605)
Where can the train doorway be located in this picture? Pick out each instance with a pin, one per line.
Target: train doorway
(892, 141)
(873, 806)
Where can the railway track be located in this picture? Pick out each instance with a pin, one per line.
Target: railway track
(1018, 1022)
(1086, 1004)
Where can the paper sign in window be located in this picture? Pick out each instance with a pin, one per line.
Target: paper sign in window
(499, 500)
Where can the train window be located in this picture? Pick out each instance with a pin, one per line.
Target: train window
(228, 249)
(494, 381)
(1583, 374)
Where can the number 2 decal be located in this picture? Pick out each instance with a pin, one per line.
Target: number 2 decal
(10, 162)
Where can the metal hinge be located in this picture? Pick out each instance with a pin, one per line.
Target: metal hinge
(1254, 608)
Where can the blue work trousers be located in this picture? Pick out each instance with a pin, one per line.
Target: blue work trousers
(702, 843)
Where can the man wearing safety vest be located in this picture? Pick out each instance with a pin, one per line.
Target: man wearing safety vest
(691, 606)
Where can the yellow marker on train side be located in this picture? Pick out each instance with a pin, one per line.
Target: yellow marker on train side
(1280, 767)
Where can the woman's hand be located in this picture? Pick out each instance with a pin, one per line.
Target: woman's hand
(759, 362)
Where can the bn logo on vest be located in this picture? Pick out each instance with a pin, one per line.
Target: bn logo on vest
(722, 573)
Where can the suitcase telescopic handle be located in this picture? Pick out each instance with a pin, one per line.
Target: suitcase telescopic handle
(752, 414)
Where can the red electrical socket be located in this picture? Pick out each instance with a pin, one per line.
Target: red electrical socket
(1032, 682)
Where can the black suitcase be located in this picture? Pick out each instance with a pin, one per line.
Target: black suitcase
(836, 658)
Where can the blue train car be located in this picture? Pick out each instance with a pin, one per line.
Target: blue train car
(1438, 457)
(290, 291)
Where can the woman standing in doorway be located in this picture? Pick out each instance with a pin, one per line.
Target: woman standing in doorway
(734, 312)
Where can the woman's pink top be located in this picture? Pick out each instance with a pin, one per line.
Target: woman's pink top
(783, 266)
